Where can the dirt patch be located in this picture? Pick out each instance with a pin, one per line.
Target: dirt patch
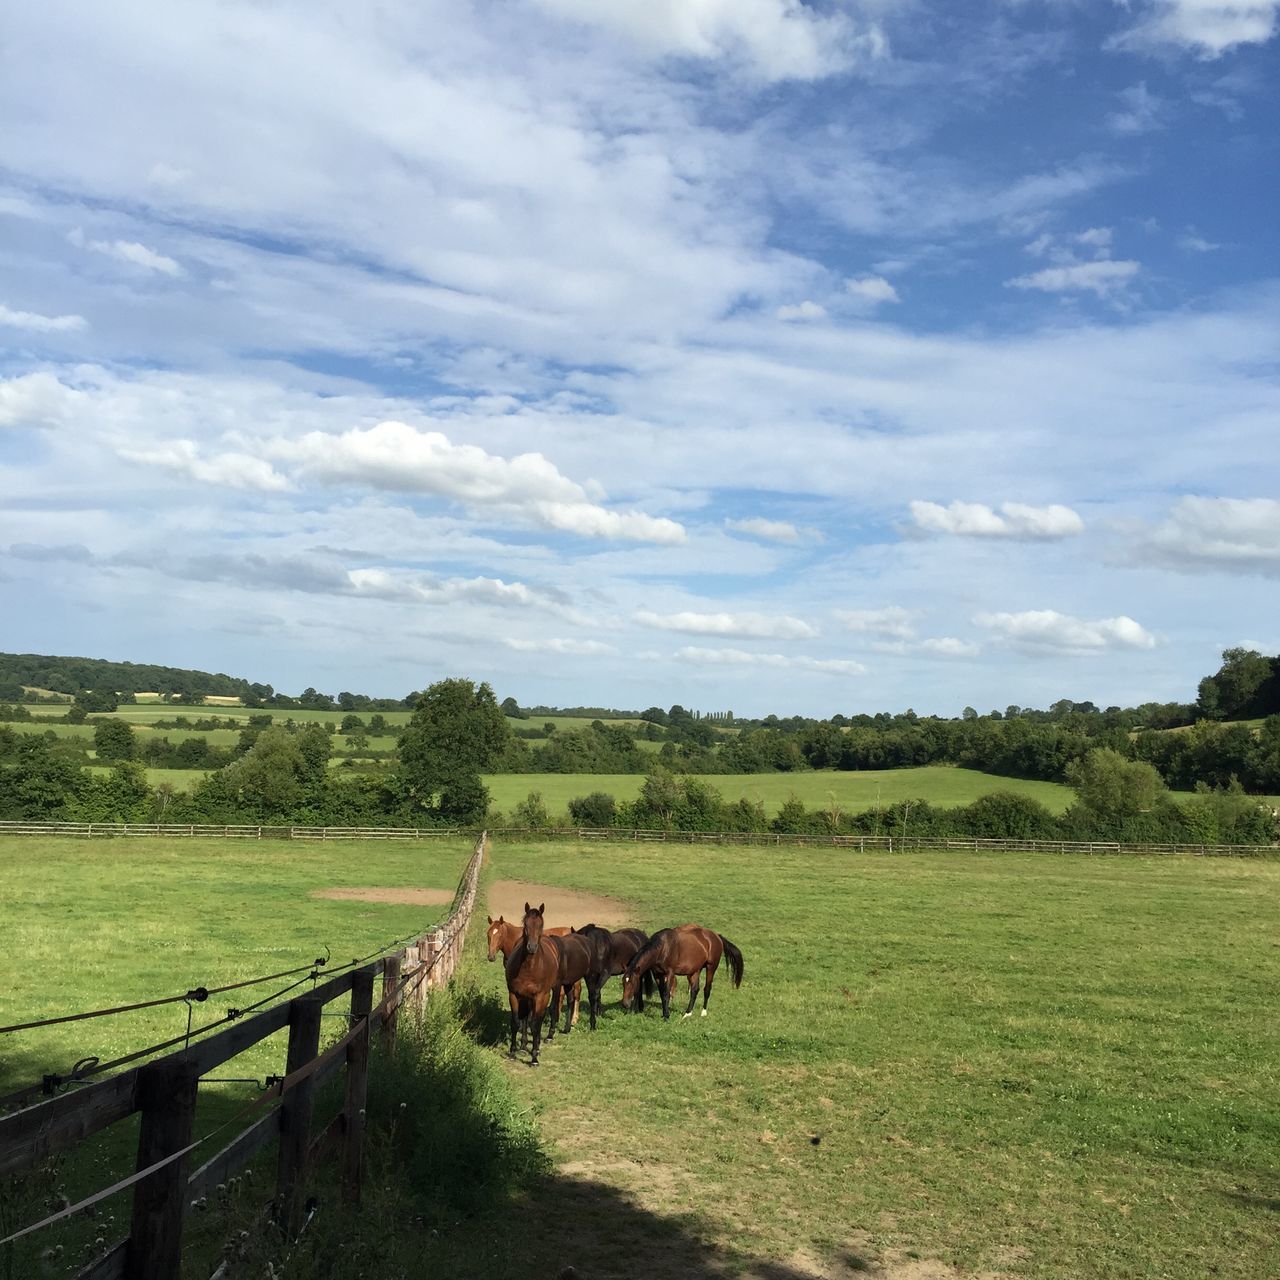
(392, 897)
(564, 906)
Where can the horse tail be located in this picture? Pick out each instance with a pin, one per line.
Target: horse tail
(734, 957)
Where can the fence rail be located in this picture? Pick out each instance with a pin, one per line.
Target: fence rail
(164, 1091)
(636, 835)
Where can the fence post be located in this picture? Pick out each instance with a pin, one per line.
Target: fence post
(430, 952)
(357, 1087)
(390, 981)
(295, 1114)
(167, 1092)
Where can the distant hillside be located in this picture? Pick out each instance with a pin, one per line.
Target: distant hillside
(77, 675)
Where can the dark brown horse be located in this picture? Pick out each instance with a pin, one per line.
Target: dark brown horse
(622, 944)
(503, 935)
(537, 965)
(688, 950)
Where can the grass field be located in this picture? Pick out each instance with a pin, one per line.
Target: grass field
(1016, 1066)
(818, 789)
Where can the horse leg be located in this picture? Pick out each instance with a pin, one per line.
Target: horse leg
(539, 1008)
(572, 994)
(593, 998)
(665, 984)
(555, 1011)
(693, 991)
(515, 1020)
(706, 988)
(577, 999)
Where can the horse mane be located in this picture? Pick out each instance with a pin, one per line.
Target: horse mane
(651, 945)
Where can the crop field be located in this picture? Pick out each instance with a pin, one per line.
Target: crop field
(1012, 1066)
(1016, 1065)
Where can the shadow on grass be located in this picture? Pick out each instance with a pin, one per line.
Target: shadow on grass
(565, 1226)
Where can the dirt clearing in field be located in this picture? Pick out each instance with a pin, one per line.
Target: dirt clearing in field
(391, 897)
(564, 906)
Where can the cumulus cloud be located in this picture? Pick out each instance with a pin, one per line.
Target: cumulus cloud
(574, 648)
(949, 647)
(1236, 535)
(750, 625)
(37, 323)
(1101, 278)
(66, 553)
(1209, 27)
(872, 289)
(771, 530)
(1047, 631)
(893, 623)
(37, 400)
(741, 658)
(1015, 520)
(230, 470)
(130, 251)
(773, 39)
(395, 456)
(382, 584)
(805, 310)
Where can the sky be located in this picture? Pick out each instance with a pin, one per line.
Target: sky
(748, 354)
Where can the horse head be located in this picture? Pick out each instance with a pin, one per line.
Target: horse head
(532, 928)
(496, 929)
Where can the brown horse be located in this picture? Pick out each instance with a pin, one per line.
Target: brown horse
(503, 935)
(537, 965)
(622, 944)
(687, 950)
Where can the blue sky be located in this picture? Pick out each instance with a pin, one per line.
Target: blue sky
(746, 354)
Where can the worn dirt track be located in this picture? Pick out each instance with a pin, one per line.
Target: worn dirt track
(506, 898)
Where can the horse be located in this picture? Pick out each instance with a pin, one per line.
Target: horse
(688, 949)
(538, 964)
(623, 944)
(503, 935)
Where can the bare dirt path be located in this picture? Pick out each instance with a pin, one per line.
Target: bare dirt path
(506, 898)
(392, 897)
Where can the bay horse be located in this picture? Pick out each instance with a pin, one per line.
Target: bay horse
(538, 964)
(688, 950)
(623, 944)
(503, 935)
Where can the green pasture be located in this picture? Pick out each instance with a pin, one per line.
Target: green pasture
(149, 712)
(939, 784)
(1019, 1065)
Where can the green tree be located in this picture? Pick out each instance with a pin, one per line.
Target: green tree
(1114, 788)
(114, 740)
(532, 812)
(457, 732)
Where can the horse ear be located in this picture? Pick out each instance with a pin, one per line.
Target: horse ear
(541, 905)
(527, 908)
(489, 918)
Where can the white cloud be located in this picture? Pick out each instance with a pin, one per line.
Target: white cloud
(872, 289)
(1016, 520)
(753, 625)
(1194, 243)
(1235, 535)
(495, 592)
(949, 647)
(395, 456)
(892, 622)
(574, 648)
(38, 323)
(774, 39)
(1210, 27)
(1045, 630)
(1097, 238)
(37, 400)
(771, 530)
(741, 658)
(1141, 111)
(1101, 278)
(129, 251)
(805, 310)
(232, 470)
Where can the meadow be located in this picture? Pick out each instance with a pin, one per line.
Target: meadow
(1010, 1065)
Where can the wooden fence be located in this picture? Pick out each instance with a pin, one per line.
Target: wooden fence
(638, 835)
(163, 1092)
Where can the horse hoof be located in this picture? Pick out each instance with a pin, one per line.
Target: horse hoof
(704, 1013)
(683, 1016)
(534, 1062)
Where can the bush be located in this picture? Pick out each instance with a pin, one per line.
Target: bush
(599, 809)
